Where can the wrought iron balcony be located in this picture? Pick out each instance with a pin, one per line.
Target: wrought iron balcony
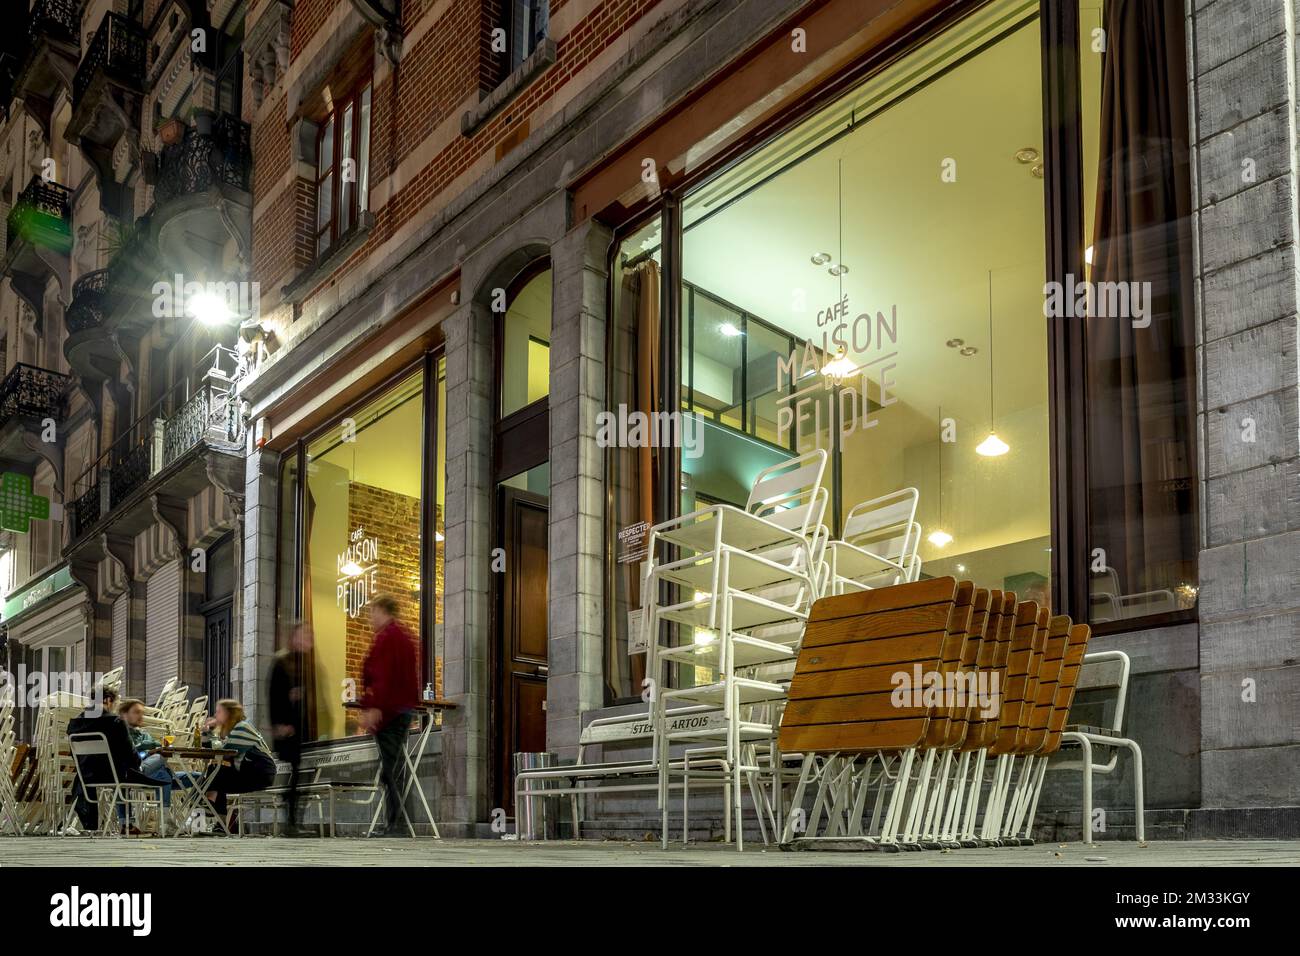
(129, 472)
(42, 216)
(55, 20)
(32, 392)
(212, 414)
(216, 151)
(89, 302)
(117, 52)
(85, 510)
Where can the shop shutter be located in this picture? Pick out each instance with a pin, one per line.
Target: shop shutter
(162, 629)
(121, 622)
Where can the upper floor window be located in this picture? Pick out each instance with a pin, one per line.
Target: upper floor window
(342, 168)
(527, 26)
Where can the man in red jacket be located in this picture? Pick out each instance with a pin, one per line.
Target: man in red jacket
(392, 693)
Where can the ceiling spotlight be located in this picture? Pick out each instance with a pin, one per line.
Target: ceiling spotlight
(955, 343)
(1026, 155)
(940, 539)
(838, 270)
(992, 447)
(729, 330)
(839, 368)
(350, 569)
(821, 258)
(961, 568)
(969, 350)
(1036, 170)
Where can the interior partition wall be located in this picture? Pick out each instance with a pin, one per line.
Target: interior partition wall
(966, 273)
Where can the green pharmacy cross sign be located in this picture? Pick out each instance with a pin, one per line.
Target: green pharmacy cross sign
(18, 505)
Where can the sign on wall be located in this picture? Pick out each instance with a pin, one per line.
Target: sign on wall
(18, 505)
(358, 572)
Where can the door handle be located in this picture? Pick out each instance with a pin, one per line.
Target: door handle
(542, 670)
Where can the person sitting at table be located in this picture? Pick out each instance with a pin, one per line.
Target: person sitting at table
(254, 767)
(99, 718)
(152, 765)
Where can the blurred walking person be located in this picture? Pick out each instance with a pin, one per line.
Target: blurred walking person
(290, 683)
(392, 691)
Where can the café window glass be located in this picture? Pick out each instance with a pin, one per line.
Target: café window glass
(360, 502)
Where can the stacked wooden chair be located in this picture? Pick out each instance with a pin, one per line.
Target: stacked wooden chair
(914, 706)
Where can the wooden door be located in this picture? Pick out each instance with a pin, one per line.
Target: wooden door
(521, 644)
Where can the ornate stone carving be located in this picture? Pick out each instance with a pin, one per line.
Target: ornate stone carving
(266, 47)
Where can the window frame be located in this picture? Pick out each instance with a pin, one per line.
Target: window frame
(331, 125)
(291, 533)
(1066, 356)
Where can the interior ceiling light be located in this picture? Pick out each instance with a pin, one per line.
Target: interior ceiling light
(969, 350)
(993, 446)
(838, 270)
(839, 368)
(1026, 155)
(955, 343)
(821, 258)
(729, 330)
(438, 536)
(1037, 170)
(940, 538)
(351, 569)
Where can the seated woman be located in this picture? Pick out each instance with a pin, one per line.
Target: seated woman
(152, 765)
(254, 767)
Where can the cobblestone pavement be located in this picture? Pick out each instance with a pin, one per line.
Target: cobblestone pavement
(216, 851)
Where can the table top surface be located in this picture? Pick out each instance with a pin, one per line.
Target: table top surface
(196, 753)
(436, 704)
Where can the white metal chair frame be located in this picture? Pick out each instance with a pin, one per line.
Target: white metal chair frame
(109, 795)
(1088, 738)
(867, 521)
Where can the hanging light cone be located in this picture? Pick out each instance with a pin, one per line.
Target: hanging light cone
(992, 446)
(940, 539)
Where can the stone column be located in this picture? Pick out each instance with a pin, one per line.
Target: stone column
(1243, 56)
(466, 731)
(577, 505)
(255, 627)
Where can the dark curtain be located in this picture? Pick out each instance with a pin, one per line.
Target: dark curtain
(1141, 409)
(636, 382)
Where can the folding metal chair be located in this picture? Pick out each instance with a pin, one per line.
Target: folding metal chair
(109, 796)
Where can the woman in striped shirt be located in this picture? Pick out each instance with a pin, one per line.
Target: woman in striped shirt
(254, 767)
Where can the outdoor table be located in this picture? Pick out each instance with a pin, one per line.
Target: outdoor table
(426, 709)
(216, 759)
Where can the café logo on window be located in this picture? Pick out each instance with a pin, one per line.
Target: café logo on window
(358, 572)
(832, 389)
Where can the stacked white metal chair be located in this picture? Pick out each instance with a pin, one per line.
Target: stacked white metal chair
(54, 765)
(736, 573)
(880, 544)
(11, 820)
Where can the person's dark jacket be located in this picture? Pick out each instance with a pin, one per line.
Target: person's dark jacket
(391, 682)
(95, 769)
(287, 692)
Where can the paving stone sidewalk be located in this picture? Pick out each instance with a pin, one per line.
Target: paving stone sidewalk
(267, 851)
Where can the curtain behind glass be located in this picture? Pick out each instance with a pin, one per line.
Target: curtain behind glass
(1140, 399)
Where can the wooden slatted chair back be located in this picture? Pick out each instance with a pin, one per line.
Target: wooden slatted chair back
(992, 662)
(1042, 624)
(842, 698)
(938, 734)
(1076, 645)
(1014, 686)
(1049, 676)
(969, 679)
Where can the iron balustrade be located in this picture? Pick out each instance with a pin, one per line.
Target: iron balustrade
(42, 215)
(84, 510)
(117, 51)
(55, 20)
(220, 154)
(31, 391)
(89, 302)
(136, 262)
(182, 420)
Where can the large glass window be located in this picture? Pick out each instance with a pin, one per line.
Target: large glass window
(526, 345)
(1142, 535)
(871, 285)
(353, 526)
